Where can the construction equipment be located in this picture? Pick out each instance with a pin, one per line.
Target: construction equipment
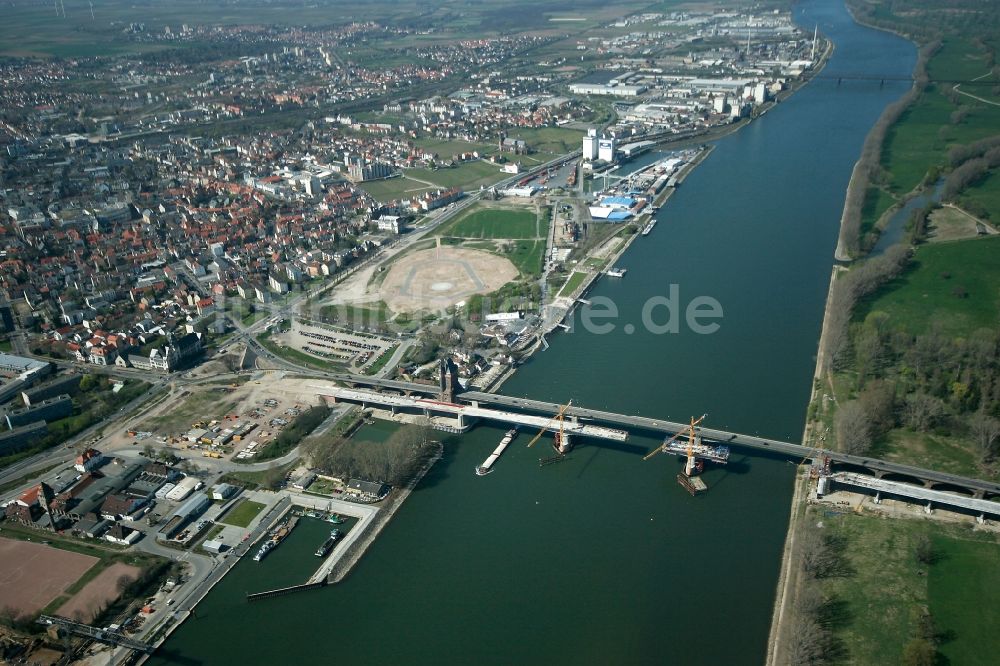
(663, 448)
(696, 451)
(560, 436)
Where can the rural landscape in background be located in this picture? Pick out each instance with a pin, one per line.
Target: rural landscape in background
(375, 320)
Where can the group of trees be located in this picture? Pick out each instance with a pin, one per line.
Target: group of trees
(848, 289)
(868, 167)
(814, 616)
(970, 164)
(928, 382)
(393, 461)
(293, 433)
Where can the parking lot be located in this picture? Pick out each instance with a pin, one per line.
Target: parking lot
(356, 349)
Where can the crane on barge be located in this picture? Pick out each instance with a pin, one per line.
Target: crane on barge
(691, 467)
(561, 441)
(696, 453)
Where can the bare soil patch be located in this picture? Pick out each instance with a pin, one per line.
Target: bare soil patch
(438, 278)
(97, 594)
(33, 574)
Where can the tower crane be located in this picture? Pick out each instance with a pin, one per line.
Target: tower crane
(560, 436)
(691, 464)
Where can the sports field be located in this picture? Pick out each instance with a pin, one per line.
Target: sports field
(494, 223)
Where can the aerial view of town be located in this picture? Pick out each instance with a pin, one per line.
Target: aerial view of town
(452, 332)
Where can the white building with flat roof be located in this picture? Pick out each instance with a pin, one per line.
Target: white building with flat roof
(590, 145)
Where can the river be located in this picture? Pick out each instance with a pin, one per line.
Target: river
(603, 558)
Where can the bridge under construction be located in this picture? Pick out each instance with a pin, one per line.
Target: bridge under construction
(910, 482)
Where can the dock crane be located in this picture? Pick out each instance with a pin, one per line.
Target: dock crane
(560, 441)
(691, 465)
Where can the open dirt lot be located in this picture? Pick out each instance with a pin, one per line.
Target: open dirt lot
(437, 278)
(951, 223)
(98, 593)
(32, 574)
(208, 401)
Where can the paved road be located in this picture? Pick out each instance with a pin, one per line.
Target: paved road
(737, 439)
(789, 449)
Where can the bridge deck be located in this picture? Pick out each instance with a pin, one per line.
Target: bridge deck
(471, 411)
(916, 492)
(663, 426)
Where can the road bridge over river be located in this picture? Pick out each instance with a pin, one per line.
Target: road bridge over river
(880, 469)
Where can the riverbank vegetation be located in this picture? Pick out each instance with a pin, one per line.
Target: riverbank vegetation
(392, 460)
(910, 361)
(878, 590)
(954, 103)
(911, 350)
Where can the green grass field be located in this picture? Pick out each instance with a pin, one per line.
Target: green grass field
(551, 140)
(394, 188)
(923, 134)
(931, 291)
(486, 222)
(960, 589)
(243, 514)
(877, 201)
(448, 148)
(944, 454)
(527, 256)
(468, 176)
(376, 314)
(880, 555)
(573, 283)
(523, 233)
(984, 196)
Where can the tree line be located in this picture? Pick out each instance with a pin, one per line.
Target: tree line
(869, 165)
(393, 461)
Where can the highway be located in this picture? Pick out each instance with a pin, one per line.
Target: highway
(740, 440)
(662, 426)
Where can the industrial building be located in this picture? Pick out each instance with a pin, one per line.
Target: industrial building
(184, 487)
(20, 365)
(606, 149)
(223, 491)
(183, 516)
(87, 495)
(606, 89)
(590, 145)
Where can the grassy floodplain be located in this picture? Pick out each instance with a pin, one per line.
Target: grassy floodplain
(876, 599)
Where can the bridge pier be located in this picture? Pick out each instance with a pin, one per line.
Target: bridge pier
(928, 484)
(981, 519)
(878, 498)
(564, 443)
(979, 494)
(928, 509)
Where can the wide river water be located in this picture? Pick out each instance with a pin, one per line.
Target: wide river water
(603, 558)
